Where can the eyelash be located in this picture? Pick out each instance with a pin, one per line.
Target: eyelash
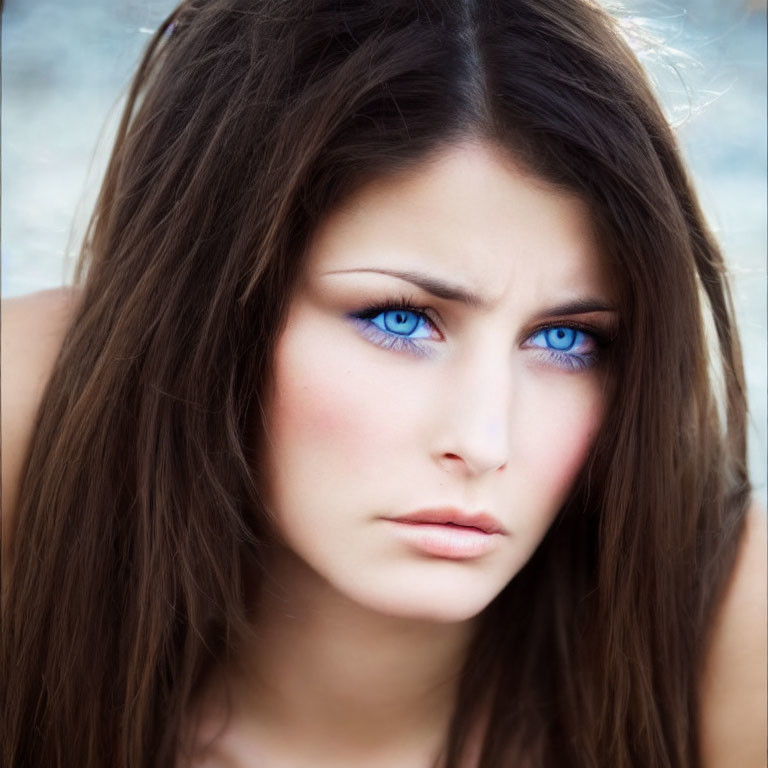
(565, 360)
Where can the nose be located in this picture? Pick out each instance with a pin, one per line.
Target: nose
(474, 418)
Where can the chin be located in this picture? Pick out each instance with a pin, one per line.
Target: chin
(443, 603)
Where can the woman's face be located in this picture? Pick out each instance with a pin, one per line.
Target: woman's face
(431, 361)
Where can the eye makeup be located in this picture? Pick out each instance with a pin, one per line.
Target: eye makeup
(391, 313)
(401, 325)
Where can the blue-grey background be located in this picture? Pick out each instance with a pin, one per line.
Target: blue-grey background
(66, 66)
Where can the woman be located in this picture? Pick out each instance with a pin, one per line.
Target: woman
(354, 263)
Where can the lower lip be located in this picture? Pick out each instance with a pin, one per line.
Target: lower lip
(448, 541)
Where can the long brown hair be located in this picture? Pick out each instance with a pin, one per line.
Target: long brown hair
(140, 529)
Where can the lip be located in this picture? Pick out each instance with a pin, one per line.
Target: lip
(453, 516)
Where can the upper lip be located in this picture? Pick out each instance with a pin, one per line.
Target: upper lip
(440, 516)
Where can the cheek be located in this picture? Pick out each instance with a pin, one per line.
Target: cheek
(334, 419)
(556, 429)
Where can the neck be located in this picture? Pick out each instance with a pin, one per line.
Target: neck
(337, 678)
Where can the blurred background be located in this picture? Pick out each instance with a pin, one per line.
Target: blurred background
(66, 67)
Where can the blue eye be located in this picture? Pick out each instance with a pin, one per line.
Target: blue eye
(561, 338)
(403, 322)
(566, 347)
(397, 326)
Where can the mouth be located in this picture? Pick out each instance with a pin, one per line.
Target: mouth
(449, 533)
(444, 540)
(453, 517)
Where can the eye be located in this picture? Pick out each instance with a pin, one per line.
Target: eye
(403, 322)
(562, 338)
(567, 346)
(399, 325)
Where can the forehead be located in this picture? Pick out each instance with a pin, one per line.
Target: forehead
(471, 214)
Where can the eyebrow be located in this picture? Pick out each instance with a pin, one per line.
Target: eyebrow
(437, 287)
(451, 291)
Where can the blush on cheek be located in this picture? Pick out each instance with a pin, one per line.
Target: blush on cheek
(576, 446)
(557, 439)
(325, 410)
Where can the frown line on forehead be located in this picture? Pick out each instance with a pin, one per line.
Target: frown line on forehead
(453, 292)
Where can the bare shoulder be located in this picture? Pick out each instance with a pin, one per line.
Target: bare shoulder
(32, 329)
(735, 685)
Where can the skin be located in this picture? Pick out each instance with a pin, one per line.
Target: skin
(361, 634)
